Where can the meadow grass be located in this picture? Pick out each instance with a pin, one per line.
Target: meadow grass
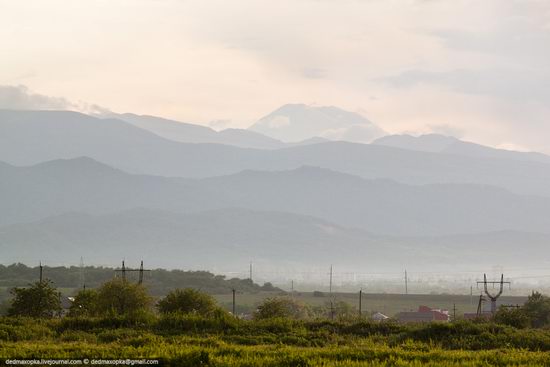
(224, 341)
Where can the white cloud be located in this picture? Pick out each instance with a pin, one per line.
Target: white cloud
(20, 98)
(482, 68)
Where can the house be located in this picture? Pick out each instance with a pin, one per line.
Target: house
(379, 317)
(424, 314)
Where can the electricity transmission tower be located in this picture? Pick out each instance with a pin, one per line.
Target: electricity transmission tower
(141, 270)
(494, 297)
(480, 305)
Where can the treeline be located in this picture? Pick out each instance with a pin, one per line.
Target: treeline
(158, 281)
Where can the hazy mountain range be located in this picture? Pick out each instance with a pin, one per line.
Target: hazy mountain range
(79, 185)
(379, 206)
(30, 137)
(227, 239)
(191, 133)
(436, 143)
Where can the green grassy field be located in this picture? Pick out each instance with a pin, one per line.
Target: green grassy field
(389, 304)
(194, 341)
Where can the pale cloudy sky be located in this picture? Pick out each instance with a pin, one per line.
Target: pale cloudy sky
(477, 69)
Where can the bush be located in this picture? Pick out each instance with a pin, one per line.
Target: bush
(512, 317)
(187, 301)
(282, 307)
(120, 297)
(85, 304)
(20, 329)
(40, 299)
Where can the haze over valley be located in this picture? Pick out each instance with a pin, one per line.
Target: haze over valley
(112, 186)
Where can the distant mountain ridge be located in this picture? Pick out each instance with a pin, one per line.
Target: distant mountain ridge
(191, 133)
(30, 137)
(378, 206)
(436, 143)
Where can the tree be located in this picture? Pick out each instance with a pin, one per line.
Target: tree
(281, 307)
(537, 309)
(85, 303)
(40, 299)
(120, 297)
(187, 301)
(515, 317)
(340, 309)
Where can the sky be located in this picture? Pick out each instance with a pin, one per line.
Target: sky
(477, 70)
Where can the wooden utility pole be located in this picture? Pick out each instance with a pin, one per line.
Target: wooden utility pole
(454, 311)
(360, 299)
(141, 273)
(41, 271)
(330, 281)
(81, 273)
(406, 282)
(233, 308)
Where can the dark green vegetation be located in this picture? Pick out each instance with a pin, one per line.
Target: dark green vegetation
(187, 301)
(387, 303)
(159, 281)
(118, 320)
(40, 299)
(221, 340)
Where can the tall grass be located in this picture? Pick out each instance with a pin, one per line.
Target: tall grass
(224, 341)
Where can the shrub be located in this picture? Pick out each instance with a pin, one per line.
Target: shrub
(281, 307)
(85, 304)
(40, 299)
(187, 301)
(512, 317)
(120, 297)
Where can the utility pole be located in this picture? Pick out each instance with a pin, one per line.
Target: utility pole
(330, 281)
(454, 311)
(233, 308)
(406, 282)
(81, 273)
(141, 273)
(480, 305)
(360, 299)
(292, 286)
(123, 271)
(492, 297)
(250, 272)
(41, 270)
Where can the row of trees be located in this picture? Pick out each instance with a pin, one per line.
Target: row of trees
(121, 297)
(159, 281)
(114, 297)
